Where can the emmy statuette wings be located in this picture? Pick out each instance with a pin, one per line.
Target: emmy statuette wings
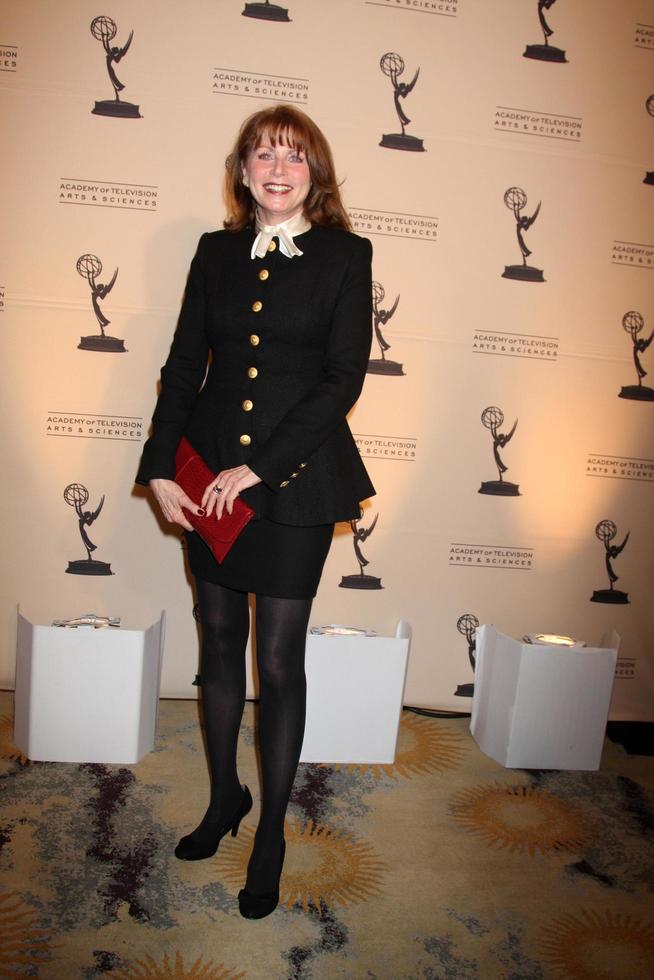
(193, 475)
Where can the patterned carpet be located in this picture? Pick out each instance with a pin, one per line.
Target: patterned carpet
(443, 865)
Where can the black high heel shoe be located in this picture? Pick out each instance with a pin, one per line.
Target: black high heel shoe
(204, 840)
(253, 906)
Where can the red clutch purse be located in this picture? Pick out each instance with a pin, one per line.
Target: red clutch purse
(192, 474)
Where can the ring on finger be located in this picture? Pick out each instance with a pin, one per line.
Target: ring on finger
(217, 489)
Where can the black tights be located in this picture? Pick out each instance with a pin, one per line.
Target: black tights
(281, 626)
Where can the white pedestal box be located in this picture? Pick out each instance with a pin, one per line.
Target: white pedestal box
(87, 695)
(541, 707)
(355, 686)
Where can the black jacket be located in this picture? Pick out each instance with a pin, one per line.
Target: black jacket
(288, 342)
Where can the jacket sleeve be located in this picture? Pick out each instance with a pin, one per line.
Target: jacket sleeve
(181, 378)
(306, 426)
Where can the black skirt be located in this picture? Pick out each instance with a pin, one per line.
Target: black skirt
(270, 559)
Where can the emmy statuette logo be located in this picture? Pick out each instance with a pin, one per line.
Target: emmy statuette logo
(104, 29)
(392, 65)
(362, 580)
(605, 532)
(265, 11)
(633, 323)
(492, 418)
(467, 625)
(515, 200)
(546, 51)
(89, 267)
(77, 496)
(382, 365)
(649, 176)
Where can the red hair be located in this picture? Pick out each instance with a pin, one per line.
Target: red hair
(287, 126)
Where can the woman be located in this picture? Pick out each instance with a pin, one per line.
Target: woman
(279, 304)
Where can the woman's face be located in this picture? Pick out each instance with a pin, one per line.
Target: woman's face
(279, 180)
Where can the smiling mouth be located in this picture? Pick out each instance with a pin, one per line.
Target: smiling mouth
(277, 188)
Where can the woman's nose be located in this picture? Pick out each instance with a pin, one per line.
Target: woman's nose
(280, 166)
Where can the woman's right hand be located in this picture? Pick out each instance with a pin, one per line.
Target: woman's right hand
(171, 498)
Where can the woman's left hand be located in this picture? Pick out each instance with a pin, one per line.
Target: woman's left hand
(231, 482)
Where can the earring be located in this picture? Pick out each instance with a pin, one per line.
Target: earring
(246, 182)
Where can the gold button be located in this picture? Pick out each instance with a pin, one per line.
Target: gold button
(254, 340)
(302, 465)
(284, 483)
(293, 475)
(272, 246)
(245, 440)
(252, 372)
(247, 405)
(257, 305)
(263, 275)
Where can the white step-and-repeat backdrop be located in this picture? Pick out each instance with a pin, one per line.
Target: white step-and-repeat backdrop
(500, 156)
